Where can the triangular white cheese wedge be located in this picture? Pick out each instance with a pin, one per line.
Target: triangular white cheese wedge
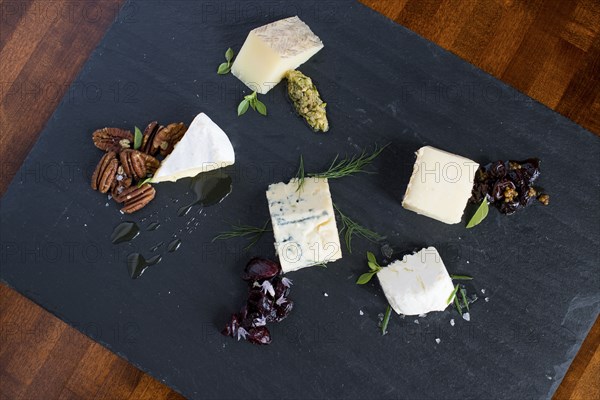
(203, 148)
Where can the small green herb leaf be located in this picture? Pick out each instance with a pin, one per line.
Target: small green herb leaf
(374, 266)
(243, 107)
(260, 107)
(229, 55)
(480, 214)
(137, 139)
(224, 69)
(371, 257)
(386, 320)
(143, 182)
(365, 278)
(461, 277)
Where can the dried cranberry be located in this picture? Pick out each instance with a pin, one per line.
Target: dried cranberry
(281, 289)
(283, 310)
(260, 268)
(232, 326)
(259, 335)
(259, 302)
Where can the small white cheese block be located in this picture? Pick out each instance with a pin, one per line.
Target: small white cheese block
(303, 224)
(203, 148)
(440, 185)
(271, 50)
(417, 284)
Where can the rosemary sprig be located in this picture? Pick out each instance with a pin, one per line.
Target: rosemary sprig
(461, 277)
(300, 174)
(463, 293)
(253, 233)
(342, 168)
(386, 320)
(453, 294)
(350, 228)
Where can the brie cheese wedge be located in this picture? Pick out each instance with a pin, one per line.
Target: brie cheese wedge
(203, 148)
(417, 284)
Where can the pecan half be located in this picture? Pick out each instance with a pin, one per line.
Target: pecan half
(105, 173)
(135, 198)
(166, 138)
(112, 139)
(152, 163)
(121, 182)
(148, 137)
(133, 163)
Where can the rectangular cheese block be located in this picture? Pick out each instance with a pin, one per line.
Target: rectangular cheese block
(417, 284)
(271, 50)
(304, 224)
(440, 185)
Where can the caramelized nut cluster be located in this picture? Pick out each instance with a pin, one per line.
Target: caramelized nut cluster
(123, 169)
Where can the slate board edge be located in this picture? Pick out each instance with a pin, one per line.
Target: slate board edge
(478, 71)
(94, 338)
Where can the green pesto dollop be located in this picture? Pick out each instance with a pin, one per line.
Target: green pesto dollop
(306, 99)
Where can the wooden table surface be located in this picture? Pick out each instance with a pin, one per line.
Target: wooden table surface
(548, 49)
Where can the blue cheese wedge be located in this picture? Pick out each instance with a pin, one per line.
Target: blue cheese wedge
(203, 148)
(304, 224)
(440, 185)
(271, 50)
(417, 284)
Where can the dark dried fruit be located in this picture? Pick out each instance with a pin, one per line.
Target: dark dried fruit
(260, 268)
(267, 302)
(167, 137)
(105, 173)
(259, 335)
(112, 139)
(507, 185)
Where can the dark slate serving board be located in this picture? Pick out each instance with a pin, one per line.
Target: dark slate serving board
(383, 84)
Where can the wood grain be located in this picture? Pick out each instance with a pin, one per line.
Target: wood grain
(548, 49)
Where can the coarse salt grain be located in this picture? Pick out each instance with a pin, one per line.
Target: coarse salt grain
(466, 316)
(452, 322)
(438, 340)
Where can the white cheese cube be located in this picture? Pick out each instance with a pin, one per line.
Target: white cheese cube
(271, 50)
(303, 223)
(417, 284)
(203, 148)
(440, 185)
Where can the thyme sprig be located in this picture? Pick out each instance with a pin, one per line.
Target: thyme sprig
(252, 233)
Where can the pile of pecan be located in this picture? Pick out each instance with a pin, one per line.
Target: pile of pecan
(123, 170)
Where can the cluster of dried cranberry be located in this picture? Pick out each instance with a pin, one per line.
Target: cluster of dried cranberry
(508, 185)
(267, 301)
